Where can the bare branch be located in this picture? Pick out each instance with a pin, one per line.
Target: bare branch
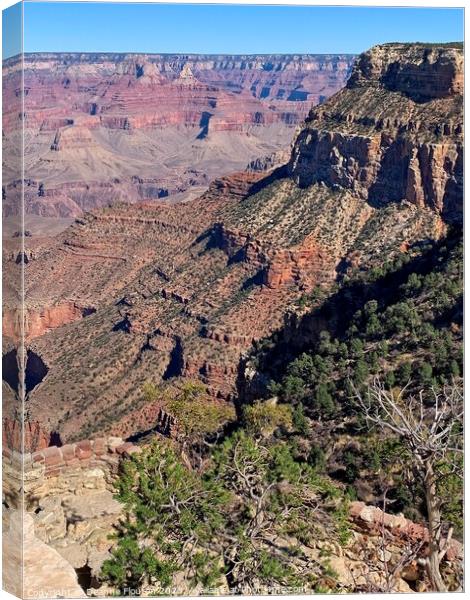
(430, 426)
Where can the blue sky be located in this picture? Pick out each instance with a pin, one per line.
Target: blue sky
(90, 27)
(11, 28)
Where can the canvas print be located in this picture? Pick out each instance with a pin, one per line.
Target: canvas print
(232, 299)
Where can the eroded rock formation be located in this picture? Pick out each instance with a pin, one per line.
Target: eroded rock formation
(38, 322)
(104, 128)
(70, 513)
(183, 290)
(395, 133)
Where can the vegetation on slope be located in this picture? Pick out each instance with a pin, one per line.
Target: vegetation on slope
(400, 323)
(250, 517)
(247, 509)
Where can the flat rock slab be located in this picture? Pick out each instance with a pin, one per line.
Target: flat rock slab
(91, 506)
(74, 554)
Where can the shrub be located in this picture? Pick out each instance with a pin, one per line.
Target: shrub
(263, 418)
(167, 506)
(221, 521)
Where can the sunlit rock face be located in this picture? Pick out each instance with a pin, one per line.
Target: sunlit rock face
(394, 133)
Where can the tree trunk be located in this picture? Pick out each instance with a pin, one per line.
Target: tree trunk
(433, 561)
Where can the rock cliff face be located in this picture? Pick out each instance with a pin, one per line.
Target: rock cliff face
(183, 290)
(102, 128)
(36, 323)
(395, 133)
(420, 72)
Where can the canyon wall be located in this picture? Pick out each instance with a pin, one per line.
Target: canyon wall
(395, 133)
(104, 128)
(175, 291)
(161, 292)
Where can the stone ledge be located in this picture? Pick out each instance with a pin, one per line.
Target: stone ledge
(372, 519)
(85, 453)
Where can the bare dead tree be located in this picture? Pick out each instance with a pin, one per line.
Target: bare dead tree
(430, 425)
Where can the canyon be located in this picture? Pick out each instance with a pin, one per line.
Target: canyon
(107, 128)
(166, 292)
(154, 287)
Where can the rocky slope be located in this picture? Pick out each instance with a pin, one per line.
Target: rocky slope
(102, 128)
(71, 512)
(162, 292)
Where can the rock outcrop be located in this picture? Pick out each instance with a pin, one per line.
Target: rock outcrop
(38, 322)
(31, 436)
(31, 568)
(395, 133)
(418, 71)
(68, 495)
(266, 163)
(373, 520)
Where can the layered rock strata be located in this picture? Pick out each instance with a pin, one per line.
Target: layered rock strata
(183, 290)
(394, 134)
(104, 128)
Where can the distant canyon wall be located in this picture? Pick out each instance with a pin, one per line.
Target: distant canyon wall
(107, 128)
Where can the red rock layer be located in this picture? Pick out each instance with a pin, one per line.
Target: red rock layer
(125, 91)
(30, 435)
(39, 322)
(184, 289)
(110, 128)
(394, 133)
